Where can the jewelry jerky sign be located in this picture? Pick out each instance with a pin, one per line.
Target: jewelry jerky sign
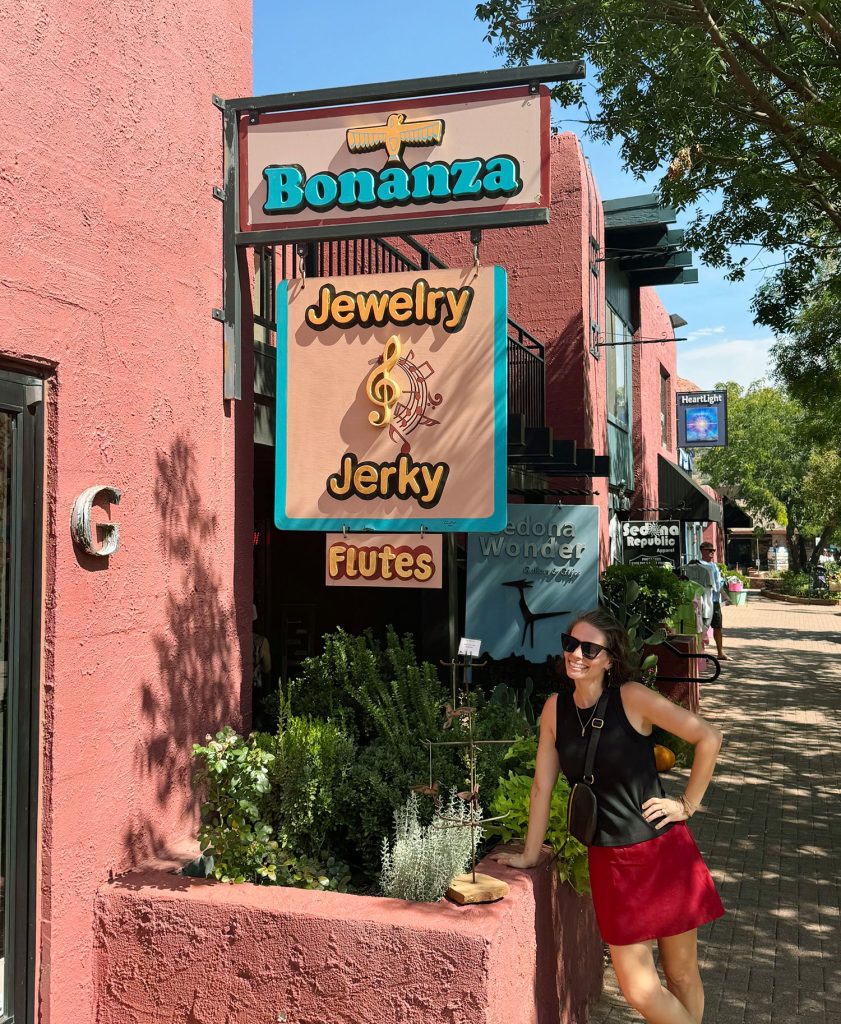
(485, 152)
(392, 402)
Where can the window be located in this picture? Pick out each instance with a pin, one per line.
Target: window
(617, 336)
(665, 408)
(21, 453)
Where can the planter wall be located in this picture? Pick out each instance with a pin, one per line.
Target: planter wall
(686, 694)
(174, 949)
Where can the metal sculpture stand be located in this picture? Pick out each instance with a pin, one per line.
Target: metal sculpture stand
(472, 886)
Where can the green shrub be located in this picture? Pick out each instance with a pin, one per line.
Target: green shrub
(795, 583)
(309, 782)
(512, 799)
(374, 691)
(239, 838)
(425, 858)
(727, 574)
(642, 598)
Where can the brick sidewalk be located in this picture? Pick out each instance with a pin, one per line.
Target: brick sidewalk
(771, 832)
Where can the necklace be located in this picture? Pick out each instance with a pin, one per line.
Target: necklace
(578, 716)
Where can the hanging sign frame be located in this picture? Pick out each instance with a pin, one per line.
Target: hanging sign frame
(497, 204)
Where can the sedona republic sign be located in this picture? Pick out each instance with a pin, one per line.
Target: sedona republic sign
(392, 406)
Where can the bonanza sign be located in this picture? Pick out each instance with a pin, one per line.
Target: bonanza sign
(392, 403)
(387, 560)
(473, 154)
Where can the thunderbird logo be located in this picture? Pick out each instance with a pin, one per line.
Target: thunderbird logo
(394, 136)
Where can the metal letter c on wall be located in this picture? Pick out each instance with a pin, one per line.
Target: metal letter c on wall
(80, 521)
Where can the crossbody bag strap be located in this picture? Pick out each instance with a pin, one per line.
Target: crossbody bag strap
(596, 726)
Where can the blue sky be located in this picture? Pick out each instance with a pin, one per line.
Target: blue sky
(327, 43)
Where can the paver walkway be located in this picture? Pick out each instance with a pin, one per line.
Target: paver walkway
(771, 832)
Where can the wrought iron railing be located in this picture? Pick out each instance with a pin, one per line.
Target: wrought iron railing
(526, 376)
(526, 365)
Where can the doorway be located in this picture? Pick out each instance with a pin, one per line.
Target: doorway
(21, 494)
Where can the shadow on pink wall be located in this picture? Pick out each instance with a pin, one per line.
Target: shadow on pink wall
(192, 692)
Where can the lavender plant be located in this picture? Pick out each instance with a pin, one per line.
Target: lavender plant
(425, 858)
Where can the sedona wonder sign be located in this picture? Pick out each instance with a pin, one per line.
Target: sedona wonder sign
(391, 402)
(473, 153)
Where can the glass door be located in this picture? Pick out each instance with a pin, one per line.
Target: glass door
(21, 466)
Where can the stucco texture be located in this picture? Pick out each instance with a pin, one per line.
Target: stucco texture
(110, 248)
(649, 364)
(192, 952)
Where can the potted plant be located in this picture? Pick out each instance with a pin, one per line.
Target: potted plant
(736, 593)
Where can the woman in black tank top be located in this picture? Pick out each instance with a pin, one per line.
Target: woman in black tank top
(647, 877)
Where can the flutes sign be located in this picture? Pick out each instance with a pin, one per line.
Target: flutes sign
(391, 402)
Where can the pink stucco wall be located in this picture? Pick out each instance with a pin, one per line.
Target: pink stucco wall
(110, 251)
(175, 949)
(551, 293)
(649, 362)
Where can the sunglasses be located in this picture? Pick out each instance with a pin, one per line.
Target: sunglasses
(589, 649)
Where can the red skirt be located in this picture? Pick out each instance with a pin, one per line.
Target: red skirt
(653, 889)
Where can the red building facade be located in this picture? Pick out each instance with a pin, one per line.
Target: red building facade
(112, 254)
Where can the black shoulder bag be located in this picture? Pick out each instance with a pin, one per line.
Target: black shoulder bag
(582, 808)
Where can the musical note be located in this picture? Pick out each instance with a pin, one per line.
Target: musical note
(382, 389)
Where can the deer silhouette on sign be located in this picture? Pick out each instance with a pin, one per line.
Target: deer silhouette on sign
(529, 617)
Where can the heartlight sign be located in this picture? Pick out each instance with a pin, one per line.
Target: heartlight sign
(526, 584)
(391, 402)
(484, 152)
(701, 419)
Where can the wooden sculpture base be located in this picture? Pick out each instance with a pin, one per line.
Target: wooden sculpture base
(484, 890)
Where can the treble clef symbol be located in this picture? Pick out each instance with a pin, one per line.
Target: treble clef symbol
(382, 389)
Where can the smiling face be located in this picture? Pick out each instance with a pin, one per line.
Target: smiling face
(584, 669)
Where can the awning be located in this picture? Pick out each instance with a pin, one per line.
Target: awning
(681, 498)
(735, 518)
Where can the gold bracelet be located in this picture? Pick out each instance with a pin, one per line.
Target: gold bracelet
(688, 807)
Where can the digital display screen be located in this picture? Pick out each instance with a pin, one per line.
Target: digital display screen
(702, 424)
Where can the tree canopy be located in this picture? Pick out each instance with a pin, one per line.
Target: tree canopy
(779, 468)
(736, 102)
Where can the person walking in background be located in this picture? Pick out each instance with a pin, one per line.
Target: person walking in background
(261, 655)
(647, 877)
(708, 559)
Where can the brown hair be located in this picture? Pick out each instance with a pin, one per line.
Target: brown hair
(617, 645)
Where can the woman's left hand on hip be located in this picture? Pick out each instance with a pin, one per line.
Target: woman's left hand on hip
(662, 810)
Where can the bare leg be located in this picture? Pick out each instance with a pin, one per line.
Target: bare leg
(641, 987)
(718, 642)
(679, 957)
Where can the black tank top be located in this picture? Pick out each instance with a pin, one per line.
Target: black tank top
(625, 772)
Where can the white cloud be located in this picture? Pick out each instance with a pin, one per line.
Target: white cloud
(743, 360)
(704, 332)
